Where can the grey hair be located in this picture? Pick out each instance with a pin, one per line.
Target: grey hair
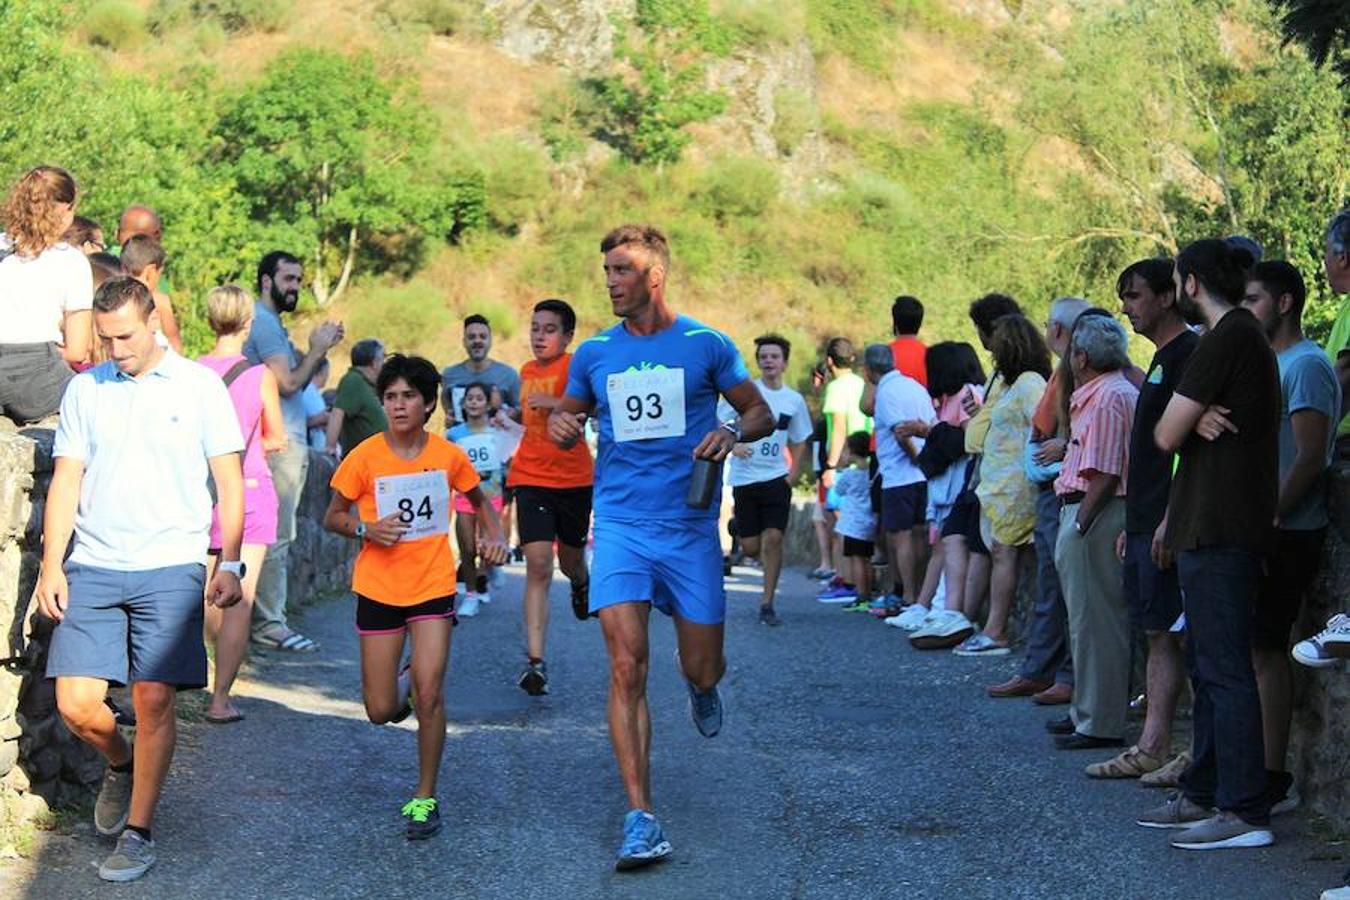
(878, 358)
(1338, 233)
(365, 352)
(1065, 311)
(1103, 340)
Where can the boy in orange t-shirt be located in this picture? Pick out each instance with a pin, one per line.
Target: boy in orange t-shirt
(552, 487)
(401, 481)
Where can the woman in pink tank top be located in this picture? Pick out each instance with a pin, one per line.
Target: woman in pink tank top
(257, 403)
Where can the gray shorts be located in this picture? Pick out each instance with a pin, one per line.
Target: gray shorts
(125, 627)
(33, 377)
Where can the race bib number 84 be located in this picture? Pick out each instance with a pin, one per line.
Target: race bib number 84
(421, 500)
(645, 405)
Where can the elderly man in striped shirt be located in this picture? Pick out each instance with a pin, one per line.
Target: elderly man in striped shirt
(1091, 489)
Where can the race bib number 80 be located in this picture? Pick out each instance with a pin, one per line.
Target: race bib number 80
(646, 405)
(421, 500)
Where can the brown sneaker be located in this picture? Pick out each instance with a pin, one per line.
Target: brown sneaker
(1131, 763)
(1176, 812)
(1016, 687)
(1169, 775)
(1056, 694)
(1223, 832)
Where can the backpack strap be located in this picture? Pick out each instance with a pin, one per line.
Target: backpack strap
(235, 371)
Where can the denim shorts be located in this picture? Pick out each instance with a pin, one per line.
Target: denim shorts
(125, 627)
(1154, 594)
(675, 565)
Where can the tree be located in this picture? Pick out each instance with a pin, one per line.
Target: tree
(643, 112)
(334, 164)
(1321, 26)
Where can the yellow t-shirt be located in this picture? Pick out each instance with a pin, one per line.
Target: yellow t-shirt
(413, 570)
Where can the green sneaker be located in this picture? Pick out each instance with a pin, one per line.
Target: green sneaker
(424, 818)
(859, 605)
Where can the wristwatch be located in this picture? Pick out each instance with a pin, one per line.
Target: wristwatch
(360, 531)
(235, 567)
(733, 427)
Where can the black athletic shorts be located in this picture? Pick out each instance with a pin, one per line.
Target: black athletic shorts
(762, 505)
(855, 547)
(964, 520)
(549, 514)
(1153, 594)
(374, 617)
(1289, 570)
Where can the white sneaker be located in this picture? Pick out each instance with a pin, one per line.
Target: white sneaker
(1327, 647)
(1337, 893)
(942, 623)
(468, 607)
(910, 618)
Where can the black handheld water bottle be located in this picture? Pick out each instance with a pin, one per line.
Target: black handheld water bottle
(702, 484)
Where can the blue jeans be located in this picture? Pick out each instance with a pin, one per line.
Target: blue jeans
(1218, 593)
(1048, 658)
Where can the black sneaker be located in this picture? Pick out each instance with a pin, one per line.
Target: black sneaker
(424, 818)
(1060, 726)
(581, 601)
(534, 680)
(768, 617)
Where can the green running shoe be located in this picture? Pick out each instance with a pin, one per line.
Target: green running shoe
(424, 818)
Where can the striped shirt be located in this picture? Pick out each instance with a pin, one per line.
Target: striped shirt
(1101, 413)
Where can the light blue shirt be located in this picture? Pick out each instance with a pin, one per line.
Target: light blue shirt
(899, 399)
(1307, 381)
(145, 443)
(266, 339)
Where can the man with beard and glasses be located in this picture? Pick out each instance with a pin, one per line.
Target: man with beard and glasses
(269, 344)
(1223, 422)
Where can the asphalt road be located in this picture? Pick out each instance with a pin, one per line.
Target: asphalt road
(850, 766)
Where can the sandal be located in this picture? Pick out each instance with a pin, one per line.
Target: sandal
(1131, 763)
(293, 642)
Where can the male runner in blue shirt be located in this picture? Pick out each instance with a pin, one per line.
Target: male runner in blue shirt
(653, 381)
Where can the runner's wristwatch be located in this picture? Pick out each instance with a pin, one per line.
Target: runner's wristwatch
(734, 427)
(360, 531)
(235, 567)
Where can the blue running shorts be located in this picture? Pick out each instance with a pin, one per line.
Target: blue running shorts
(674, 564)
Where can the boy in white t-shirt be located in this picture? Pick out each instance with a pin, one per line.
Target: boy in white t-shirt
(857, 522)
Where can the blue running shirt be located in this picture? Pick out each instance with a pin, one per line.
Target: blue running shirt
(654, 399)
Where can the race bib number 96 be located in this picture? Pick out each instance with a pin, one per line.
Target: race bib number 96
(482, 452)
(646, 405)
(421, 501)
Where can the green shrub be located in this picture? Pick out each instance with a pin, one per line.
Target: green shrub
(233, 16)
(738, 188)
(442, 17)
(115, 24)
(795, 115)
(763, 23)
(406, 317)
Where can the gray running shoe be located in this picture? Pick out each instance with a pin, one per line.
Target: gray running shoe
(705, 708)
(113, 804)
(1177, 812)
(404, 687)
(131, 859)
(1222, 832)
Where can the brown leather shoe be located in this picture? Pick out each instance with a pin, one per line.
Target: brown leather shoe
(1055, 695)
(1016, 687)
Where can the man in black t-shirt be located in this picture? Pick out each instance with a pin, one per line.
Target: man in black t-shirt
(1148, 299)
(1223, 422)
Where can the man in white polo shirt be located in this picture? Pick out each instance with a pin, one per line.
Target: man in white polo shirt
(761, 476)
(138, 437)
(904, 490)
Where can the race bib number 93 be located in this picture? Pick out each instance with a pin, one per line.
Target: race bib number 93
(647, 404)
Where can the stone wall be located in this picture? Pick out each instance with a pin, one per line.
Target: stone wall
(40, 762)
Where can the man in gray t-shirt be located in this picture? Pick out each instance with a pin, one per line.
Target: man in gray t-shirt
(478, 367)
(279, 278)
(1311, 406)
